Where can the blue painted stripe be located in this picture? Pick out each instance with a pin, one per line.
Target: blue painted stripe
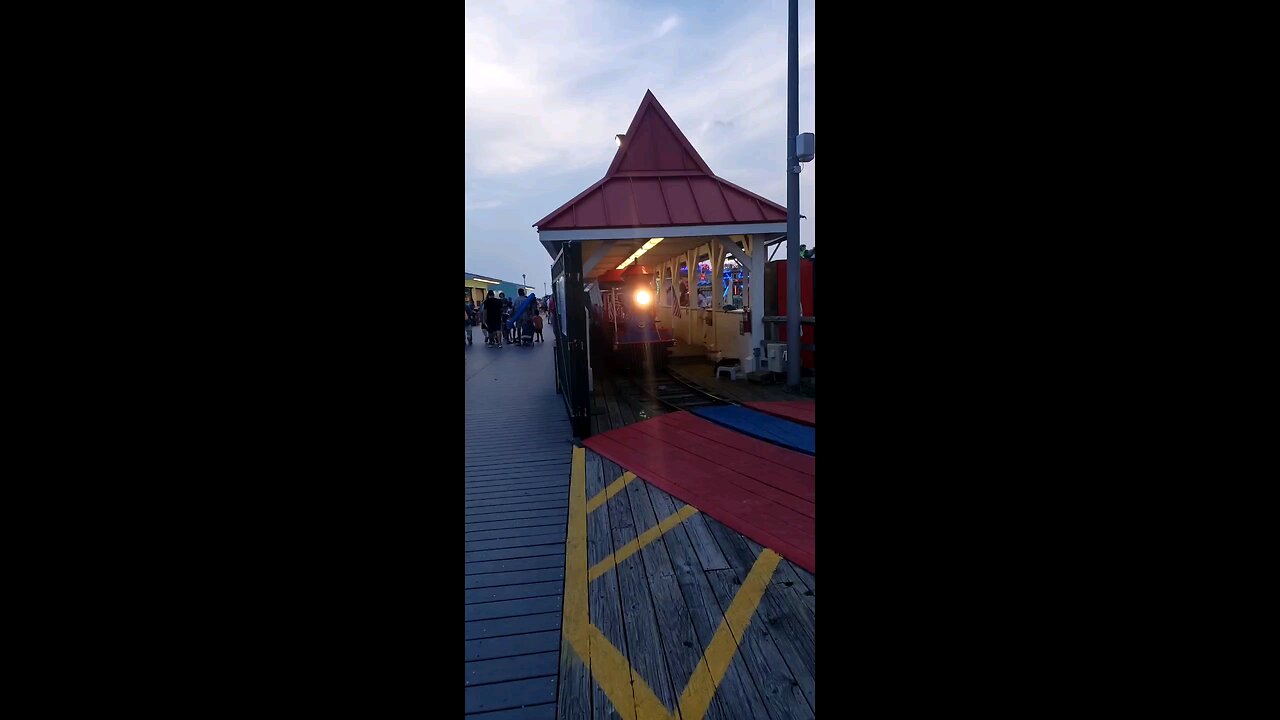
(762, 426)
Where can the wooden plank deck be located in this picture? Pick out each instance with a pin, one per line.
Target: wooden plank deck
(706, 622)
(516, 481)
(735, 482)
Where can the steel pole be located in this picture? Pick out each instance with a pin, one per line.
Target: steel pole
(793, 199)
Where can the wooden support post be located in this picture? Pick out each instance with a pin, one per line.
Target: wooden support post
(755, 286)
(718, 251)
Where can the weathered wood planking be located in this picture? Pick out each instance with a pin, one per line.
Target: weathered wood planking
(790, 576)
(737, 697)
(514, 592)
(498, 451)
(644, 637)
(680, 642)
(615, 417)
(781, 615)
(555, 518)
(528, 712)
(498, 481)
(482, 507)
(626, 413)
(515, 481)
(482, 483)
(512, 608)
(539, 496)
(494, 477)
(486, 466)
(497, 579)
(688, 580)
(489, 518)
(781, 693)
(514, 461)
(551, 487)
(498, 627)
(489, 567)
(515, 485)
(787, 578)
(480, 513)
(574, 699)
(783, 618)
(511, 694)
(605, 606)
(491, 648)
(552, 504)
(515, 491)
(524, 541)
(487, 492)
(707, 549)
(740, 693)
(508, 505)
(805, 577)
(482, 672)
(493, 443)
(511, 533)
(598, 410)
(522, 460)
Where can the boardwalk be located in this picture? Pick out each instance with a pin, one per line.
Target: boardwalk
(593, 594)
(517, 462)
(670, 614)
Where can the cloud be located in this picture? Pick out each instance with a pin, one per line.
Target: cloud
(549, 83)
(548, 90)
(484, 205)
(668, 25)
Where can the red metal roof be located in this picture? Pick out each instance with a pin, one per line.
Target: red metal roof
(658, 179)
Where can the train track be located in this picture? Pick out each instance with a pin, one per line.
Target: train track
(665, 392)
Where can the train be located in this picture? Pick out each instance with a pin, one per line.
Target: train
(624, 325)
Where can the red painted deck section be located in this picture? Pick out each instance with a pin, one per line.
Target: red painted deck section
(800, 411)
(763, 491)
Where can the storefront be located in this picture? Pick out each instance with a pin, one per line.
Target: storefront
(477, 287)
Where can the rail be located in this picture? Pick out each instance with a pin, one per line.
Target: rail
(671, 392)
(771, 323)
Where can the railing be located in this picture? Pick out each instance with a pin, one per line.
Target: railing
(771, 323)
(570, 331)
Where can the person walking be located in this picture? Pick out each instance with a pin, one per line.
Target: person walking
(506, 315)
(526, 319)
(493, 319)
(469, 315)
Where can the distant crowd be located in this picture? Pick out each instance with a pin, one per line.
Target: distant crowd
(506, 321)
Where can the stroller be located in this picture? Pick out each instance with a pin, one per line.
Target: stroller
(526, 330)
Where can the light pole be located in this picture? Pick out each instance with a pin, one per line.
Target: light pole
(793, 199)
(799, 150)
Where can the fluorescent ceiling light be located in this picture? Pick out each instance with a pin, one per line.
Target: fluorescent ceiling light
(643, 249)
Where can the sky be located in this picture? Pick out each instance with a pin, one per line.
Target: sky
(549, 84)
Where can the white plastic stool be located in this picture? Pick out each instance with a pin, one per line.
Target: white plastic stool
(731, 370)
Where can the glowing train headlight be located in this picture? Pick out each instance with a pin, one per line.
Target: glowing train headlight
(643, 297)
